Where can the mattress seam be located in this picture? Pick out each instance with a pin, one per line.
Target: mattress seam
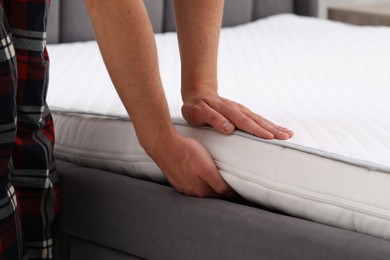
(270, 184)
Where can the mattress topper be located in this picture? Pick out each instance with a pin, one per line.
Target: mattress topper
(327, 81)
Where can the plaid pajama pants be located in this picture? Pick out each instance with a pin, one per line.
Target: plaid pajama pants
(29, 194)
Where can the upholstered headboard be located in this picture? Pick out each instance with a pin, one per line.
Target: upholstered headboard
(68, 19)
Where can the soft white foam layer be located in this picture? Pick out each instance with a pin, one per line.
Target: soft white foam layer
(326, 81)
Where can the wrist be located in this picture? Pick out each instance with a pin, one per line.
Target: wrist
(197, 79)
(157, 139)
(191, 90)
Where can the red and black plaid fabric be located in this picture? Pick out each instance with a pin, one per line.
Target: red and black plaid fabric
(29, 194)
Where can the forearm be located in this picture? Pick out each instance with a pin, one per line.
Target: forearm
(127, 44)
(198, 27)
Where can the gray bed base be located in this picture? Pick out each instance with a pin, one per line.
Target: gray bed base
(107, 216)
(110, 216)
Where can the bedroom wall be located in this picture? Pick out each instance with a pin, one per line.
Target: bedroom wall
(323, 4)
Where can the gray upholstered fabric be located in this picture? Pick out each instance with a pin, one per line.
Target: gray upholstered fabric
(69, 20)
(85, 250)
(306, 7)
(169, 17)
(270, 7)
(75, 23)
(155, 222)
(53, 33)
(238, 11)
(156, 14)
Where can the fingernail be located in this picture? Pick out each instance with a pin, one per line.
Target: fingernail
(228, 127)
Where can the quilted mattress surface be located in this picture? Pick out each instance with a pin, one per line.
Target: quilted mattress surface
(327, 81)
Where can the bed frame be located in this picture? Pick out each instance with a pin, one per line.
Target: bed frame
(105, 215)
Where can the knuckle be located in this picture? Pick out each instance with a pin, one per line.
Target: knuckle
(204, 173)
(194, 107)
(215, 117)
(241, 107)
(201, 105)
(192, 115)
(201, 194)
(180, 189)
(223, 189)
(222, 108)
(189, 192)
(224, 105)
(245, 121)
(187, 110)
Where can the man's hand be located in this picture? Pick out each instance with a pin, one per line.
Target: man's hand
(198, 28)
(126, 40)
(189, 168)
(226, 115)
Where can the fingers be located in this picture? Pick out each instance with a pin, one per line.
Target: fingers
(225, 115)
(281, 129)
(202, 113)
(216, 182)
(250, 122)
(208, 174)
(198, 189)
(190, 169)
(277, 131)
(243, 121)
(209, 184)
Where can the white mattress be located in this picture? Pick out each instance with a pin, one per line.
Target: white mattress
(327, 81)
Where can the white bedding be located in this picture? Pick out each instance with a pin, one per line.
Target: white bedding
(327, 81)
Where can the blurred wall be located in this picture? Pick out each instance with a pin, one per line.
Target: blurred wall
(323, 4)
